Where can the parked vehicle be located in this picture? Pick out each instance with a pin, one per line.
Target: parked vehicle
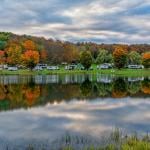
(70, 67)
(12, 68)
(43, 66)
(38, 68)
(52, 68)
(135, 66)
(104, 66)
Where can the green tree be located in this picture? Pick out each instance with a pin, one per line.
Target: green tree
(2, 45)
(86, 59)
(134, 58)
(104, 57)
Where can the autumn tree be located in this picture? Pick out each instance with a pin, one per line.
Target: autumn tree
(2, 57)
(104, 57)
(120, 57)
(14, 51)
(146, 59)
(86, 59)
(29, 45)
(43, 56)
(30, 58)
(70, 53)
(134, 58)
(119, 88)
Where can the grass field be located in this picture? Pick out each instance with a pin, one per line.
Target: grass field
(122, 72)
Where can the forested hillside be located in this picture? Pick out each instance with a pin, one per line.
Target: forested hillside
(51, 51)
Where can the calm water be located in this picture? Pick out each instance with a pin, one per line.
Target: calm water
(45, 108)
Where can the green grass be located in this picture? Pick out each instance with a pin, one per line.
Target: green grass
(122, 72)
(115, 142)
(117, 72)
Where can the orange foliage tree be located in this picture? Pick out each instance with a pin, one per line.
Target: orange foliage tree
(14, 52)
(2, 57)
(31, 95)
(70, 53)
(43, 55)
(120, 57)
(29, 45)
(146, 86)
(146, 60)
(30, 58)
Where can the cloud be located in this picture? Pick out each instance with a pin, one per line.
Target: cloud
(98, 21)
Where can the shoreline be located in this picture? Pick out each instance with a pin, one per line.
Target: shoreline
(116, 72)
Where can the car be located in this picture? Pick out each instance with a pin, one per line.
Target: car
(52, 68)
(135, 67)
(12, 68)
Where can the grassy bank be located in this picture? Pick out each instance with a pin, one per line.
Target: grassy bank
(122, 72)
(116, 141)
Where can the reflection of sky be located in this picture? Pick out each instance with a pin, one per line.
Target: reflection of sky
(79, 117)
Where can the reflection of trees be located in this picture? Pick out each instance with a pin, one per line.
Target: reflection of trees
(104, 89)
(146, 86)
(63, 92)
(86, 88)
(2, 92)
(27, 95)
(119, 88)
(134, 87)
(31, 94)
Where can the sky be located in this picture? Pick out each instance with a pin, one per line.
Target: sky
(100, 21)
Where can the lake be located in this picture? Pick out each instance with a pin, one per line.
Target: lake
(43, 109)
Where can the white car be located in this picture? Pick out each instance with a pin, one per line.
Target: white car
(12, 68)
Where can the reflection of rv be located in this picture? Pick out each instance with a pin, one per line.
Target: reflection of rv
(132, 79)
(135, 66)
(104, 66)
(104, 79)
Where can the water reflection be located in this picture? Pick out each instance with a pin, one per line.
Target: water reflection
(28, 91)
(43, 108)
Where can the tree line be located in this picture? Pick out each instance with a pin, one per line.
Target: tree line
(30, 50)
